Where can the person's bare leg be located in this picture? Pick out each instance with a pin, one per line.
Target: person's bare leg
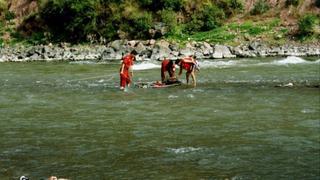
(163, 76)
(187, 77)
(194, 79)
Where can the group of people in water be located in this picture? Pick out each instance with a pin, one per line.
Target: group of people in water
(189, 63)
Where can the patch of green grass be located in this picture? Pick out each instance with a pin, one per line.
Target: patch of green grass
(37, 38)
(284, 30)
(274, 23)
(250, 28)
(308, 39)
(218, 35)
(235, 33)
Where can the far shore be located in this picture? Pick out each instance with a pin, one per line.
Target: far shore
(152, 50)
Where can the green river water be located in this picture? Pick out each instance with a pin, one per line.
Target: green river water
(70, 120)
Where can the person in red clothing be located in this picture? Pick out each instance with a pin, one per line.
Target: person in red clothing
(167, 66)
(126, 72)
(190, 64)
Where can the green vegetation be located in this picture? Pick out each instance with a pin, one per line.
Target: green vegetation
(9, 15)
(75, 21)
(1, 41)
(69, 20)
(235, 33)
(317, 3)
(3, 6)
(292, 2)
(216, 21)
(169, 17)
(260, 7)
(210, 17)
(307, 26)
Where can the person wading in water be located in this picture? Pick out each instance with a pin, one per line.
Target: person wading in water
(126, 72)
(168, 66)
(190, 64)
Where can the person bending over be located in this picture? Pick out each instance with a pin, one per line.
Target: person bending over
(167, 66)
(190, 64)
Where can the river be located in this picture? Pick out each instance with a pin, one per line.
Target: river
(246, 119)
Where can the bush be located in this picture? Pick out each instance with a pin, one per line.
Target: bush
(1, 25)
(137, 25)
(260, 7)
(169, 18)
(208, 18)
(212, 17)
(107, 21)
(70, 20)
(230, 7)
(292, 2)
(3, 6)
(9, 15)
(156, 5)
(236, 5)
(317, 3)
(307, 24)
(175, 5)
(194, 25)
(145, 3)
(108, 31)
(37, 38)
(1, 42)
(141, 25)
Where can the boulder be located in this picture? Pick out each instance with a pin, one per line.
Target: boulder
(116, 45)
(186, 52)
(107, 54)
(221, 51)
(162, 48)
(140, 47)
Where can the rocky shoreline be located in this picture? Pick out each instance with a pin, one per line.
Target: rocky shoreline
(150, 50)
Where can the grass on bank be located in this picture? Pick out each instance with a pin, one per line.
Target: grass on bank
(232, 33)
(236, 33)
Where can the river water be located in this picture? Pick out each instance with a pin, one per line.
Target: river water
(246, 119)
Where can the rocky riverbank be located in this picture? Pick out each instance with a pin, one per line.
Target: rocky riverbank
(151, 50)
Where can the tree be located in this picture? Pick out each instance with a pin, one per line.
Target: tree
(307, 24)
(207, 18)
(260, 7)
(317, 3)
(292, 2)
(70, 20)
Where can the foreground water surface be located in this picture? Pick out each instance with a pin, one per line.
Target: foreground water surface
(246, 119)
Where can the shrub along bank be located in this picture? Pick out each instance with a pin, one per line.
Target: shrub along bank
(102, 21)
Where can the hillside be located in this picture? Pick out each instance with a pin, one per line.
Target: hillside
(221, 21)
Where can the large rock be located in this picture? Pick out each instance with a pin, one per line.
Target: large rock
(117, 45)
(161, 50)
(221, 51)
(140, 47)
(188, 50)
(206, 49)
